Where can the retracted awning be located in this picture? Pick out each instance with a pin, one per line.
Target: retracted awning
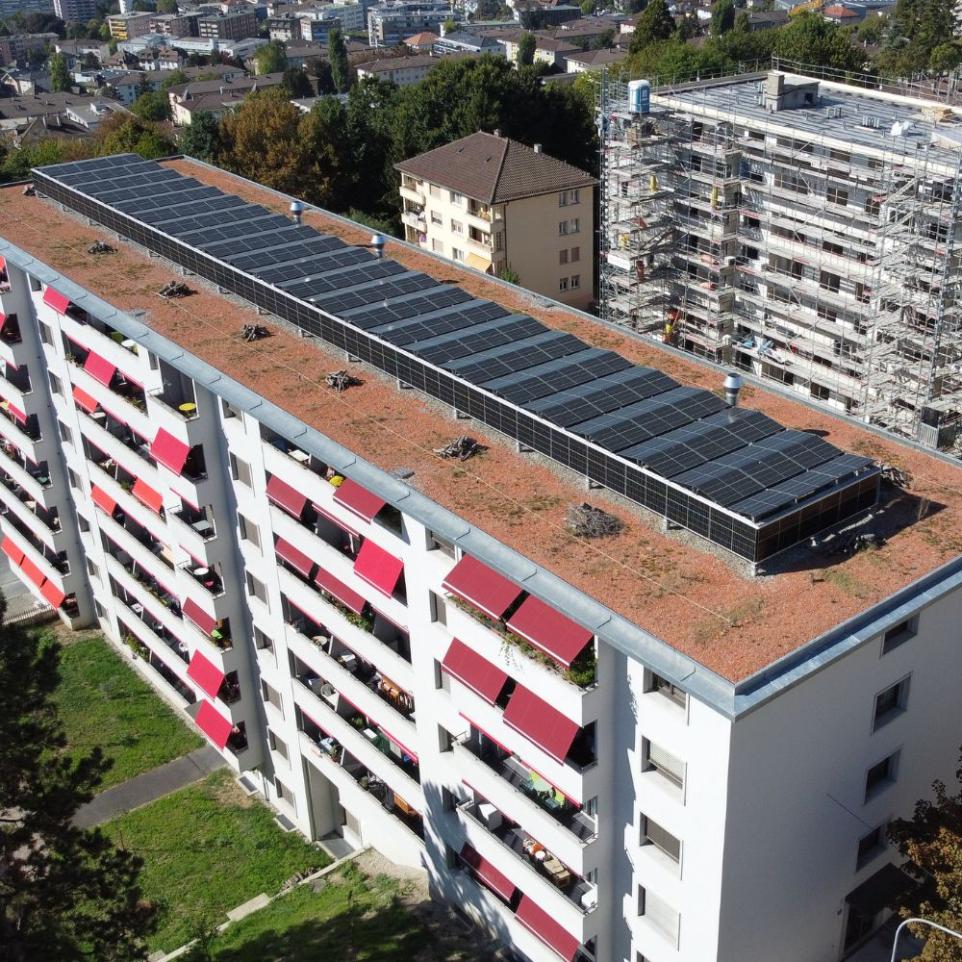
(169, 451)
(471, 669)
(378, 568)
(85, 400)
(54, 596)
(207, 623)
(540, 723)
(480, 586)
(12, 550)
(549, 630)
(32, 572)
(213, 724)
(285, 496)
(346, 596)
(205, 673)
(103, 500)
(536, 920)
(100, 369)
(56, 300)
(146, 495)
(407, 751)
(487, 874)
(296, 558)
(16, 412)
(358, 500)
(478, 262)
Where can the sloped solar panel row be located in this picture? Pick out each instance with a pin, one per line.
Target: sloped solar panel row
(736, 458)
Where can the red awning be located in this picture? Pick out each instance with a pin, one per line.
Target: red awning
(170, 452)
(16, 412)
(378, 568)
(103, 500)
(535, 919)
(12, 550)
(100, 369)
(32, 572)
(549, 630)
(498, 882)
(85, 400)
(346, 596)
(205, 673)
(286, 497)
(471, 669)
(213, 724)
(56, 300)
(52, 594)
(481, 587)
(335, 521)
(207, 623)
(358, 500)
(145, 494)
(296, 558)
(540, 723)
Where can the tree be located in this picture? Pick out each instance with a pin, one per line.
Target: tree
(59, 74)
(810, 39)
(151, 106)
(202, 138)
(325, 143)
(271, 58)
(449, 26)
(337, 54)
(323, 77)
(742, 22)
(297, 83)
(65, 893)
(722, 17)
(635, 6)
(125, 134)
(526, 49)
(945, 57)
(932, 842)
(90, 61)
(588, 7)
(653, 24)
(167, 6)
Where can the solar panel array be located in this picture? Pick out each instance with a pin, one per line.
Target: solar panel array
(732, 475)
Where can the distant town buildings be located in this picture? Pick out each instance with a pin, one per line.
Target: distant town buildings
(74, 11)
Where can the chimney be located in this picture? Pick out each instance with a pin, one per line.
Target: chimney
(733, 384)
(537, 148)
(496, 131)
(297, 208)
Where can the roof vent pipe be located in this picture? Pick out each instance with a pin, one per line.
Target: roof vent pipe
(297, 208)
(377, 245)
(733, 384)
(537, 148)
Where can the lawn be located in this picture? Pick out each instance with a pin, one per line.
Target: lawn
(102, 701)
(353, 918)
(207, 849)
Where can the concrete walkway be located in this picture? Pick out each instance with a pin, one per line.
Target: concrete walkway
(149, 786)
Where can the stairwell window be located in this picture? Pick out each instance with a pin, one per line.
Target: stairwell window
(898, 635)
(891, 703)
(659, 914)
(664, 764)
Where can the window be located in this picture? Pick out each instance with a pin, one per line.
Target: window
(563, 255)
(92, 569)
(658, 913)
(835, 195)
(65, 432)
(256, 588)
(262, 640)
(881, 775)
(890, 703)
(439, 611)
(73, 480)
(437, 543)
(282, 790)
(437, 247)
(832, 248)
(248, 530)
(456, 198)
(55, 383)
(569, 197)
(663, 686)
(829, 281)
(870, 846)
(457, 255)
(434, 190)
(872, 206)
(566, 227)
(575, 282)
(277, 745)
(457, 227)
(819, 391)
(35, 285)
(666, 765)
(45, 334)
(436, 218)
(653, 834)
(272, 696)
(575, 255)
(240, 470)
(898, 635)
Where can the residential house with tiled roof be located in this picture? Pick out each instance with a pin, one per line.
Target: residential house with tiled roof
(497, 205)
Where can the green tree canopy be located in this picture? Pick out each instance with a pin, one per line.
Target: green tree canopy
(297, 83)
(65, 893)
(167, 6)
(722, 17)
(151, 106)
(324, 77)
(337, 54)
(59, 74)
(271, 58)
(122, 134)
(526, 49)
(811, 40)
(201, 139)
(655, 23)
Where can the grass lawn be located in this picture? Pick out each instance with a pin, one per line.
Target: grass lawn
(353, 918)
(207, 849)
(103, 702)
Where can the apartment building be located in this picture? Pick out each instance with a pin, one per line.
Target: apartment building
(75, 11)
(174, 24)
(402, 71)
(621, 748)
(236, 25)
(389, 23)
(126, 26)
(22, 47)
(496, 204)
(797, 228)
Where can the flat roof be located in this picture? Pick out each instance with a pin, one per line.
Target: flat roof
(697, 602)
(843, 113)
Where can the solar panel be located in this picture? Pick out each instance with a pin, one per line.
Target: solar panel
(584, 406)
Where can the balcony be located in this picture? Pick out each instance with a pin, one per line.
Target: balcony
(208, 578)
(481, 211)
(142, 577)
(413, 217)
(44, 523)
(53, 564)
(118, 440)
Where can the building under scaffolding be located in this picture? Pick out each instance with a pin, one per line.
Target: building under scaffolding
(801, 229)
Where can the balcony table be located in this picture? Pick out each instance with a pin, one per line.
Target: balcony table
(203, 528)
(188, 407)
(298, 455)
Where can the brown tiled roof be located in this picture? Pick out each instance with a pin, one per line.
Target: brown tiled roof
(494, 169)
(419, 39)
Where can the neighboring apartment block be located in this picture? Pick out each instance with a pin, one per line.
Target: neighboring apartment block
(626, 747)
(75, 11)
(126, 26)
(797, 228)
(236, 25)
(496, 205)
(389, 23)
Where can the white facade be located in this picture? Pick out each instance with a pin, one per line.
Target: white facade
(753, 796)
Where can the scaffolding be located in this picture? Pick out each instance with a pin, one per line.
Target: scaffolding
(788, 247)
